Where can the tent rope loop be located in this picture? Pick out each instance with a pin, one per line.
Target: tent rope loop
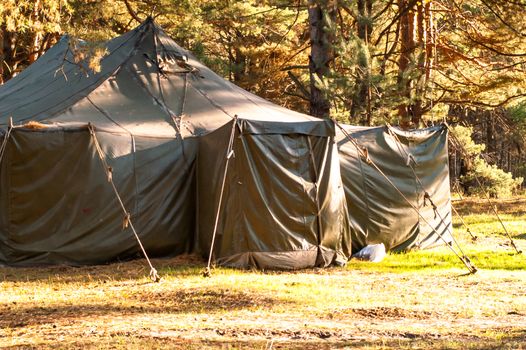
(126, 221)
(462, 257)
(365, 155)
(6, 138)
(410, 158)
(109, 172)
(229, 153)
(154, 276)
(427, 198)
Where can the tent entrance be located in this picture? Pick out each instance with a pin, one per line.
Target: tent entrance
(283, 206)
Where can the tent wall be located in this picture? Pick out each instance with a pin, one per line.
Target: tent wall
(58, 206)
(276, 184)
(378, 213)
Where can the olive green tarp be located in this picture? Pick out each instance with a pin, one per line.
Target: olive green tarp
(284, 205)
(158, 113)
(378, 213)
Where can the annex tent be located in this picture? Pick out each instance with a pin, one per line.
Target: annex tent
(416, 162)
(284, 204)
(146, 140)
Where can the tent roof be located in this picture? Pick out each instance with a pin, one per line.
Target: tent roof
(147, 85)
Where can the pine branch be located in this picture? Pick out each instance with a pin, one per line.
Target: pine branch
(299, 85)
(484, 104)
(131, 12)
(502, 19)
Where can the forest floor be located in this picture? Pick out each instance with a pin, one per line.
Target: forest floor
(413, 300)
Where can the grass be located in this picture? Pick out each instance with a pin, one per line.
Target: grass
(420, 299)
(442, 258)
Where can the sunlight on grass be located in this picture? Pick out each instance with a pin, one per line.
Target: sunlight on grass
(442, 259)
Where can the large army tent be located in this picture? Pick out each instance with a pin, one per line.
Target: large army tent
(57, 206)
(147, 140)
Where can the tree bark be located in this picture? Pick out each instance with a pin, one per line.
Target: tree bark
(2, 54)
(407, 48)
(430, 40)
(321, 55)
(34, 48)
(417, 38)
(421, 82)
(361, 105)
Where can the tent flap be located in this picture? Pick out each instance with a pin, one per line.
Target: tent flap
(282, 205)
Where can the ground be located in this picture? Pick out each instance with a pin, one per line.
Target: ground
(413, 300)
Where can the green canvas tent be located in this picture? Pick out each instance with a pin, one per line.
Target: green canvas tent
(378, 213)
(284, 205)
(155, 123)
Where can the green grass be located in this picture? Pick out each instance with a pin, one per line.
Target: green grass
(490, 251)
(443, 259)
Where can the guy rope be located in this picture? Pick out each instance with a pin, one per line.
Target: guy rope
(458, 145)
(6, 138)
(229, 154)
(427, 197)
(127, 222)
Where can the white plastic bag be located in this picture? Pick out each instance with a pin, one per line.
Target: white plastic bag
(373, 253)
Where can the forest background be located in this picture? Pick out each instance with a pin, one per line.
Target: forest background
(412, 63)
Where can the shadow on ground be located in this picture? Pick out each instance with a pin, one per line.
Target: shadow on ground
(141, 302)
(386, 341)
(183, 265)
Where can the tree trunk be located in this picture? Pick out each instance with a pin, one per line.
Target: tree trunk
(407, 48)
(416, 39)
(34, 48)
(490, 139)
(430, 40)
(418, 108)
(239, 65)
(2, 54)
(322, 54)
(361, 105)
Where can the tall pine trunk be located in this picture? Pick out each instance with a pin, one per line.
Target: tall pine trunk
(322, 53)
(2, 54)
(361, 104)
(407, 49)
(417, 49)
